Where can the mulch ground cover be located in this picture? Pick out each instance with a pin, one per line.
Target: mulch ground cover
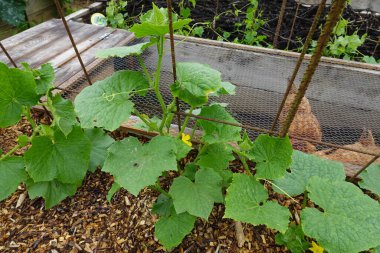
(86, 222)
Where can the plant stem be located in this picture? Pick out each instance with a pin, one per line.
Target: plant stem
(29, 118)
(169, 109)
(245, 165)
(157, 75)
(305, 198)
(10, 152)
(156, 83)
(145, 120)
(157, 187)
(186, 121)
(194, 129)
(146, 72)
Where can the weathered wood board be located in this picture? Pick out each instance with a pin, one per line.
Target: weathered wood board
(38, 11)
(49, 42)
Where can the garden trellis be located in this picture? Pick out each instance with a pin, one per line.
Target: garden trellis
(322, 109)
(343, 95)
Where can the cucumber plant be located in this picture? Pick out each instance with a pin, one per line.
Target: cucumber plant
(60, 154)
(207, 180)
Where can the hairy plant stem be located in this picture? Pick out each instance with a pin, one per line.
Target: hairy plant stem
(194, 129)
(157, 75)
(145, 120)
(168, 120)
(157, 187)
(245, 164)
(305, 198)
(27, 113)
(17, 147)
(146, 72)
(186, 121)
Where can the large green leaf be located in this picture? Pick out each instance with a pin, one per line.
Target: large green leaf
(197, 198)
(195, 82)
(350, 220)
(305, 166)
(52, 191)
(171, 230)
(371, 179)
(217, 157)
(156, 23)
(64, 158)
(12, 173)
(293, 239)
(63, 113)
(106, 103)
(273, 156)
(163, 206)
(136, 166)
(122, 51)
(100, 143)
(18, 89)
(218, 132)
(45, 78)
(246, 201)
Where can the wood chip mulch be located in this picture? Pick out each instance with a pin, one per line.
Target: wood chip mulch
(86, 222)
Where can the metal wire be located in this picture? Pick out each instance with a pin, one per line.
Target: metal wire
(172, 50)
(279, 23)
(60, 11)
(8, 56)
(332, 19)
(300, 60)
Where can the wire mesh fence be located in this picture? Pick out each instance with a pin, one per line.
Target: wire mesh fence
(344, 100)
(337, 119)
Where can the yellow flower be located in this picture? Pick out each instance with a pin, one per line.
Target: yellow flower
(315, 248)
(186, 139)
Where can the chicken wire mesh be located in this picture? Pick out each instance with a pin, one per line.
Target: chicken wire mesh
(342, 105)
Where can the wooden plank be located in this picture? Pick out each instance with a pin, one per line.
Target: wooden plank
(275, 52)
(71, 71)
(82, 12)
(38, 11)
(30, 34)
(82, 46)
(6, 30)
(45, 54)
(31, 48)
(34, 6)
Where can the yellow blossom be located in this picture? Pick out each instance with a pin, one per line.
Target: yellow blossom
(315, 248)
(186, 139)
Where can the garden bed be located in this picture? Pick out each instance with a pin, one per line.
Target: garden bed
(270, 183)
(207, 10)
(87, 222)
